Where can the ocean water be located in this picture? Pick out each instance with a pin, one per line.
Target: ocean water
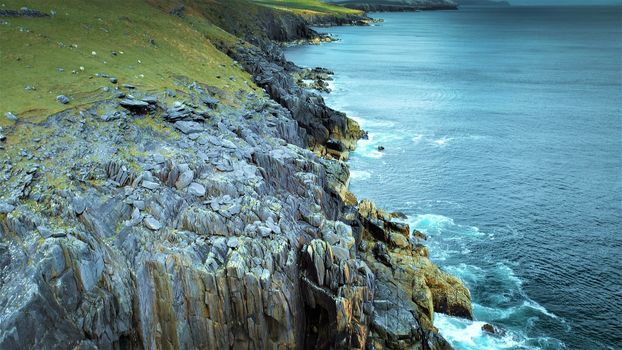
(503, 137)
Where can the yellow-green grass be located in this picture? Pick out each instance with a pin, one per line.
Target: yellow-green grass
(153, 51)
(308, 7)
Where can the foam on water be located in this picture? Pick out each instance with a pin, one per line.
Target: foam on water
(466, 335)
(360, 174)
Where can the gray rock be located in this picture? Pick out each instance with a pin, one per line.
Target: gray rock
(110, 116)
(6, 208)
(188, 127)
(184, 179)
(113, 80)
(152, 100)
(150, 185)
(196, 189)
(232, 242)
(11, 116)
(151, 223)
(62, 99)
(79, 205)
(133, 104)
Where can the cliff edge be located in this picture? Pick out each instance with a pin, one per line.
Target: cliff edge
(172, 187)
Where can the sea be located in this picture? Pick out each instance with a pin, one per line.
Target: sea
(502, 136)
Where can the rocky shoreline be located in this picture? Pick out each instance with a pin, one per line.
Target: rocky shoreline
(192, 219)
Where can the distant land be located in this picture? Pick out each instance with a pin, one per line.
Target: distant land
(487, 3)
(397, 5)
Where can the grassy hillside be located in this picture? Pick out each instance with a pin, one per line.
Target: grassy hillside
(313, 7)
(151, 44)
(141, 45)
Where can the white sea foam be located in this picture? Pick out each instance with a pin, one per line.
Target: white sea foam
(442, 142)
(360, 174)
(417, 138)
(465, 334)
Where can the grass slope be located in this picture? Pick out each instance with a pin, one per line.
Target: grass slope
(308, 7)
(131, 40)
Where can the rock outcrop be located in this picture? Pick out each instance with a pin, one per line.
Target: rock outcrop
(206, 219)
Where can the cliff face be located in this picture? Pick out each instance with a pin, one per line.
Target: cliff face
(202, 217)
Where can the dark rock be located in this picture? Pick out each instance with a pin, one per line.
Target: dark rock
(335, 145)
(113, 80)
(488, 328)
(419, 235)
(129, 86)
(381, 148)
(23, 12)
(152, 100)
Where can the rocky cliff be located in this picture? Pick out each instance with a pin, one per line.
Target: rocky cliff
(204, 217)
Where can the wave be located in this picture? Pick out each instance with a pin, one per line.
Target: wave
(467, 335)
(360, 175)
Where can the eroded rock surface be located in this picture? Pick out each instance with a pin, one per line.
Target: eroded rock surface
(177, 221)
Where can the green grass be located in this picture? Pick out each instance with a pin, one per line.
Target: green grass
(154, 49)
(308, 7)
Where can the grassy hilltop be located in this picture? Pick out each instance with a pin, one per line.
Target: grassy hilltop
(78, 45)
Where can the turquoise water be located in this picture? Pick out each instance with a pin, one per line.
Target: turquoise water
(503, 137)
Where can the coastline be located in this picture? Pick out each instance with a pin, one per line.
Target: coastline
(216, 216)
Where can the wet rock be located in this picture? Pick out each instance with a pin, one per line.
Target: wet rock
(62, 99)
(419, 235)
(488, 328)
